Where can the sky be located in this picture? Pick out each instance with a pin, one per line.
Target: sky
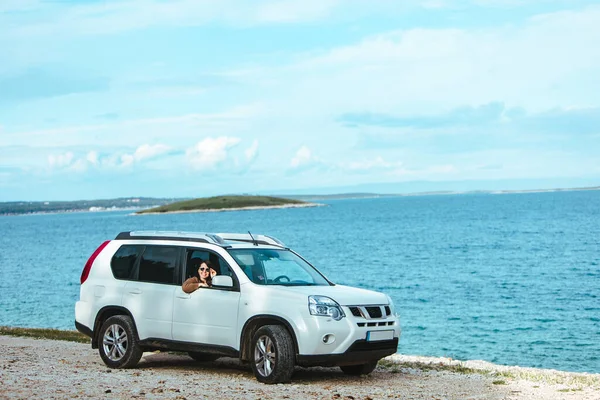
(194, 98)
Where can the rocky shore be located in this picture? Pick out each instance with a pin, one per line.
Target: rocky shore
(43, 369)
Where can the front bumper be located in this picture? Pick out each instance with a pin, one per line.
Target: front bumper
(311, 332)
(360, 352)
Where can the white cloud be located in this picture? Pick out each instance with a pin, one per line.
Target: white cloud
(210, 152)
(77, 18)
(127, 160)
(92, 157)
(378, 163)
(303, 158)
(547, 61)
(68, 161)
(144, 152)
(61, 160)
(113, 17)
(111, 161)
(252, 151)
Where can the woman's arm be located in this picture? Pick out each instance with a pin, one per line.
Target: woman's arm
(190, 285)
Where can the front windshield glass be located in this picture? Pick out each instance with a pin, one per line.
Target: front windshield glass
(277, 267)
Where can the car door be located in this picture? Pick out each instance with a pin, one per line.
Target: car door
(208, 315)
(149, 297)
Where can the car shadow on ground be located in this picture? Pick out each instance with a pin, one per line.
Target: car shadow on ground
(229, 366)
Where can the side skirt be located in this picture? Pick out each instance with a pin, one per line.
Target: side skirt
(151, 344)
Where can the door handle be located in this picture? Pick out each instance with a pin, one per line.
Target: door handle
(135, 291)
(183, 296)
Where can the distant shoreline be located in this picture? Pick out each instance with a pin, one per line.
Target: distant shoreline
(107, 205)
(75, 210)
(233, 209)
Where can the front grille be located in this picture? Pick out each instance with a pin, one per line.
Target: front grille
(355, 311)
(370, 311)
(374, 312)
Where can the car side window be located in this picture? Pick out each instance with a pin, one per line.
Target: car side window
(158, 264)
(219, 264)
(123, 262)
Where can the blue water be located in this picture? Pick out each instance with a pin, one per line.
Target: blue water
(513, 279)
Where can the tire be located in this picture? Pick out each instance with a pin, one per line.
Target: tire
(361, 369)
(272, 354)
(203, 357)
(123, 352)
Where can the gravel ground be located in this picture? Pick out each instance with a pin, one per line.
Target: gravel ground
(49, 369)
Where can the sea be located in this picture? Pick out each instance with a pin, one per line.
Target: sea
(513, 279)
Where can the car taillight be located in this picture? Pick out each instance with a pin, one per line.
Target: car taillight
(90, 261)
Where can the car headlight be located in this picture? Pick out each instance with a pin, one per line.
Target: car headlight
(325, 307)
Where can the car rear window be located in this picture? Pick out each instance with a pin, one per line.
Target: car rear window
(123, 261)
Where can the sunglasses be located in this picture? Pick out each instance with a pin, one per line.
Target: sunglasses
(203, 269)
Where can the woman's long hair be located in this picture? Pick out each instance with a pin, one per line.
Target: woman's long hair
(197, 274)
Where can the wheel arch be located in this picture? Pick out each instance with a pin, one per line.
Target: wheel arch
(253, 324)
(105, 313)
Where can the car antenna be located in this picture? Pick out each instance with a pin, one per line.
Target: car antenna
(253, 240)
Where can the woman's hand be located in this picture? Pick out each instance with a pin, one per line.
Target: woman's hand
(212, 273)
(202, 284)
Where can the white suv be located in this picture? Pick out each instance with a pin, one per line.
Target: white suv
(267, 305)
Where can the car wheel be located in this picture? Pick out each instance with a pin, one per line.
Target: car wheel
(203, 357)
(361, 369)
(272, 354)
(118, 343)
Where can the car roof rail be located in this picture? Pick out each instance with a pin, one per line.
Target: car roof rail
(173, 235)
(251, 238)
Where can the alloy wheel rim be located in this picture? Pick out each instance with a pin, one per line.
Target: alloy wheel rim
(114, 342)
(264, 355)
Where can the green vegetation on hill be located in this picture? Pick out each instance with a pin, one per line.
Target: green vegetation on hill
(222, 203)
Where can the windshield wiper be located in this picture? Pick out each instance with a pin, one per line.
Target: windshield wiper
(294, 284)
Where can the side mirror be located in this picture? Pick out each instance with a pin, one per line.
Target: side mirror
(222, 281)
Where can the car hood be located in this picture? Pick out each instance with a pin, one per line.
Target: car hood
(344, 295)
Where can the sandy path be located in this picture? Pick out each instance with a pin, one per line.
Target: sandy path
(48, 369)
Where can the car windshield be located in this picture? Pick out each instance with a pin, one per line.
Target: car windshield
(277, 267)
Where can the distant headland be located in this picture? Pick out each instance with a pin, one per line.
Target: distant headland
(227, 203)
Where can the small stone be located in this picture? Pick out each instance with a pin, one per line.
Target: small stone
(108, 391)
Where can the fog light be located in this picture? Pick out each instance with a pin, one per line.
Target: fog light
(329, 338)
